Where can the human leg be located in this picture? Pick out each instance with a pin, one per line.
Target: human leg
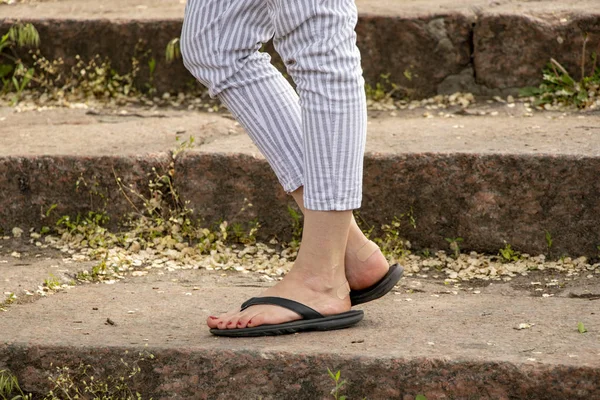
(363, 261)
(239, 75)
(317, 41)
(221, 50)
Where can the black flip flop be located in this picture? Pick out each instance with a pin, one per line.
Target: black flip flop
(311, 320)
(379, 289)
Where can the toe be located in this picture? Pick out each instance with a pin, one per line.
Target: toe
(241, 324)
(222, 324)
(212, 321)
(256, 320)
(250, 317)
(232, 322)
(245, 317)
(224, 319)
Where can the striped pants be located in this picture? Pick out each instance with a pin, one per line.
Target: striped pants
(313, 138)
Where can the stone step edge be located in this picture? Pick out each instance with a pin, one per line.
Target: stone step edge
(216, 373)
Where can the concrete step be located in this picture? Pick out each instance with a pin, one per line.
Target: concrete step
(424, 338)
(426, 46)
(487, 179)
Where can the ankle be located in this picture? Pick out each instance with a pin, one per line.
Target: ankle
(320, 281)
(356, 237)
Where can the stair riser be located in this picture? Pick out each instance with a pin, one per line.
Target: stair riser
(424, 55)
(488, 200)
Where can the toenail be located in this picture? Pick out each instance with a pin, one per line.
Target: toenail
(213, 318)
(229, 323)
(249, 322)
(239, 323)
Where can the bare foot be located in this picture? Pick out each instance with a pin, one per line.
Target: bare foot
(365, 264)
(294, 287)
(317, 280)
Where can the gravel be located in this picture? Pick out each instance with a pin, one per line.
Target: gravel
(271, 261)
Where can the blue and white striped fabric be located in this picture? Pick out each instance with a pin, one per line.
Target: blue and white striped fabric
(315, 138)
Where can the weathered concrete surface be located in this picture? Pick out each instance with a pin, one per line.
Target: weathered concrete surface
(443, 345)
(510, 50)
(416, 53)
(75, 184)
(24, 267)
(72, 159)
(421, 44)
(116, 41)
(485, 179)
(173, 9)
(486, 199)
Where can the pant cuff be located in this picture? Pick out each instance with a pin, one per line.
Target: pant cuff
(331, 204)
(292, 185)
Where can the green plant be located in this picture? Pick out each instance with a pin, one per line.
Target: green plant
(151, 70)
(15, 76)
(366, 229)
(163, 202)
(507, 254)
(245, 235)
(10, 298)
(52, 282)
(244, 232)
(549, 241)
(383, 89)
(51, 82)
(86, 382)
(558, 87)
(88, 227)
(420, 397)
(296, 217)
(10, 389)
(20, 79)
(455, 245)
(19, 35)
(164, 220)
(93, 78)
(97, 78)
(46, 229)
(99, 272)
(411, 218)
(50, 209)
(338, 384)
(581, 328)
(173, 50)
(391, 243)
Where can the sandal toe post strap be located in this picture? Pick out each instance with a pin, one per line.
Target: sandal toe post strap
(304, 311)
